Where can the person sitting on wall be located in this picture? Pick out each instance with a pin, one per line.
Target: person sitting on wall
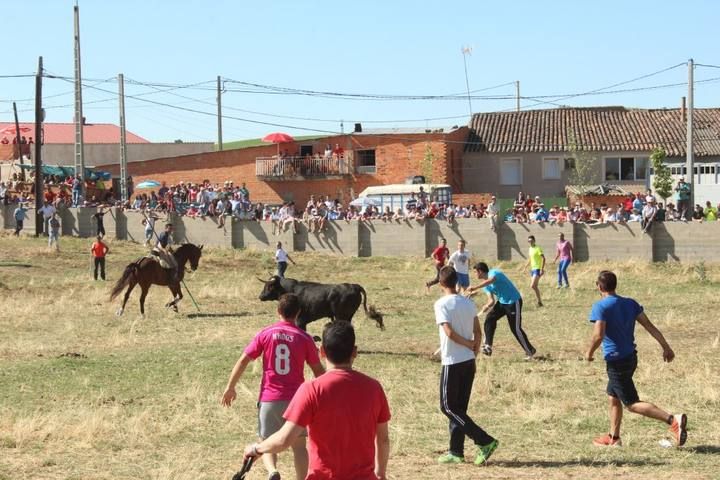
(541, 215)
(710, 212)
(562, 216)
(648, 214)
(698, 214)
(5, 141)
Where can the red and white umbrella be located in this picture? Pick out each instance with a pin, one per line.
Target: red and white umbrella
(278, 138)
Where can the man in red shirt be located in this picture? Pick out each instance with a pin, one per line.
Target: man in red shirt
(285, 349)
(439, 256)
(99, 250)
(346, 414)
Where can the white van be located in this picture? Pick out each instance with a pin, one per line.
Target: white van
(396, 196)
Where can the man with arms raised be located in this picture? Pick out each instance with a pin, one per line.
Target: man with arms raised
(614, 320)
(346, 414)
(285, 350)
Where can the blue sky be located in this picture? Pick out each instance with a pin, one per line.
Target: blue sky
(374, 47)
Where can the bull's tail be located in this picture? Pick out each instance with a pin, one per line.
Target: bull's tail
(371, 312)
(124, 281)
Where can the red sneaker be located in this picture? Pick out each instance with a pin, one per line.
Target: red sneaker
(607, 441)
(678, 429)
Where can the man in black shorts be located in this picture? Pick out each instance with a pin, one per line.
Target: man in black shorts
(614, 320)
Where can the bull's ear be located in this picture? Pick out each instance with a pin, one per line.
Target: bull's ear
(201, 247)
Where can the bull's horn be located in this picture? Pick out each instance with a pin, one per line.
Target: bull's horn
(261, 280)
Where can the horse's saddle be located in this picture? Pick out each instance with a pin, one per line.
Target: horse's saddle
(159, 257)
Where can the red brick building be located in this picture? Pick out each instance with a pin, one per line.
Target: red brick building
(375, 157)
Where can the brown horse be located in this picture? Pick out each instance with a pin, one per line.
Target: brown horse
(147, 271)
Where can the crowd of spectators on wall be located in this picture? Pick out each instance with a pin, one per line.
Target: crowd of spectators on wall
(330, 162)
(58, 191)
(643, 208)
(205, 199)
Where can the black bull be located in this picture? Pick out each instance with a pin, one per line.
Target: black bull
(318, 300)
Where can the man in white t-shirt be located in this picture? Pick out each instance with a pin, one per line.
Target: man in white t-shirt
(460, 261)
(492, 212)
(460, 339)
(47, 211)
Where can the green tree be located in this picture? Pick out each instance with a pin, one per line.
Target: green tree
(427, 164)
(584, 164)
(662, 177)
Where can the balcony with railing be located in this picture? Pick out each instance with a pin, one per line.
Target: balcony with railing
(301, 168)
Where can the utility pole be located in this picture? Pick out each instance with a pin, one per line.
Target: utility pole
(17, 134)
(689, 148)
(123, 140)
(79, 142)
(39, 117)
(465, 52)
(517, 93)
(219, 113)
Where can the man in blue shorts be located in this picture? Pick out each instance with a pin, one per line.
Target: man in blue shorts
(460, 261)
(614, 320)
(504, 300)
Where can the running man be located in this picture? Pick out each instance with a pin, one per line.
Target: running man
(282, 257)
(614, 319)
(149, 223)
(285, 350)
(20, 216)
(440, 256)
(460, 261)
(504, 300)
(460, 338)
(536, 262)
(565, 254)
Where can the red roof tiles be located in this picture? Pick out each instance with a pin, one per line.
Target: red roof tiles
(596, 129)
(65, 133)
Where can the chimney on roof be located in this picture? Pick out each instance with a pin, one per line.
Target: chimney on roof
(683, 110)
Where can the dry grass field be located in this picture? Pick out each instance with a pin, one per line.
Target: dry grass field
(87, 395)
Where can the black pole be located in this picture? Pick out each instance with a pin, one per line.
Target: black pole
(38, 149)
(17, 134)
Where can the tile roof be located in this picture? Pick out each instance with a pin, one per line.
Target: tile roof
(65, 133)
(595, 129)
(406, 130)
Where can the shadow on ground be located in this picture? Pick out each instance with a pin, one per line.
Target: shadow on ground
(705, 449)
(218, 315)
(583, 462)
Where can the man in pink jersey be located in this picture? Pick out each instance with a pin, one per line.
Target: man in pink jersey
(285, 350)
(345, 412)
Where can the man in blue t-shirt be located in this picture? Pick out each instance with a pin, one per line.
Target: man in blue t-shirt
(614, 320)
(509, 304)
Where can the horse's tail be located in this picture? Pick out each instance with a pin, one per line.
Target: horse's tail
(371, 312)
(130, 271)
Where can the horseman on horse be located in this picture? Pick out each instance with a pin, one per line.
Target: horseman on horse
(163, 254)
(162, 267)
